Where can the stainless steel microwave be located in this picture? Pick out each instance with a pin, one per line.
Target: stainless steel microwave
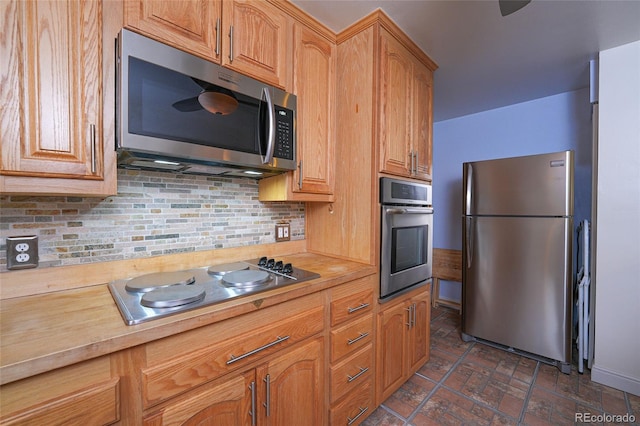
(180, 113)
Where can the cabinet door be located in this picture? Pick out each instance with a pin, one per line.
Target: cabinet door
(256, 40)
(51, 89)
(314, 84)
(191, 25)
(291, 387)
(393, 325)
(422, 121)
(226, 404)
(418, 338)
(395, 106)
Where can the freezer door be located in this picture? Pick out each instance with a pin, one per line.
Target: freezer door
(534, 185)
(517, 283)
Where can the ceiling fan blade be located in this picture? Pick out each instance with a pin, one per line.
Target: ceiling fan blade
(188, 105)
(507, 7)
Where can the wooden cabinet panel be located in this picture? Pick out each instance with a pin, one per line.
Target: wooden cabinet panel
(406, 117)
(84, 393)
(256, 44)
(51, 92)
(355, 408)
(97, 405)
(418, 342)
(403, 340)
(395, 106)
(349, 337)
(422, 114)
(350, 373)
(314, 85)
(291, 387)
(224, 404)
(352, 353)
(351, 306)
(180, 374)
(245, 35)
(393, 324)
(190, 25)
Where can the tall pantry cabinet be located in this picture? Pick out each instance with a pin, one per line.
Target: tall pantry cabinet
(383, 128)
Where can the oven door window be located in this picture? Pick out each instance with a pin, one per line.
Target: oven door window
(166, 104)
(409, 247)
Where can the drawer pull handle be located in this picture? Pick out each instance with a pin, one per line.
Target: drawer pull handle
(353, 420)
(234, 358)
(360, 337)
(362, 371)
(357, 308)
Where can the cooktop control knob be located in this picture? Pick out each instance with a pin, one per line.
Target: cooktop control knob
(270, 263)
(278, 266)
(262, 261)
(287, 268)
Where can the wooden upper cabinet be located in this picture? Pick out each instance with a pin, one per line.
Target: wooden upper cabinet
(256, 34)
(314, 60)
(245, 35)
(422, 116)
(314, 84)
(395, 106)
(405, 111)
(52, 97)
(191, 25)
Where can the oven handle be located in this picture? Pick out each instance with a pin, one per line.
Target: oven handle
(426, 210)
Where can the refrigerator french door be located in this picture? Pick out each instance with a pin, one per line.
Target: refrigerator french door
(517, 254)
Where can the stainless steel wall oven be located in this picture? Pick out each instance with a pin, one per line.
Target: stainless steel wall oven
(406, 236)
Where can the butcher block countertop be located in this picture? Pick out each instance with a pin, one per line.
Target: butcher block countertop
(42, 332)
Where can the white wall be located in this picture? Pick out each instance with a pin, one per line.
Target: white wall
(617, 268)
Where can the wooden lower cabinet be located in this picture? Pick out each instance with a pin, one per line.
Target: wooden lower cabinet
(225, 403)
(403, 340)
(351, 353)
(80, 394)
(287, 390)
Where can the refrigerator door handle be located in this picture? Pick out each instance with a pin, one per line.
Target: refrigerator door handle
(468, 192)
(467, 240)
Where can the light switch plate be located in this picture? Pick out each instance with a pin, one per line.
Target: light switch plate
(22, 252)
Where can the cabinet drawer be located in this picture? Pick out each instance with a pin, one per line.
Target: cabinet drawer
(96, 405)
(181, 374)
(72, 394)
(356, 407)
(351, 306)
(351, 336)
(350, 373)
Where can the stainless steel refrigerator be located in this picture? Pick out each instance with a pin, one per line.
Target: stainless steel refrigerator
(517, 254)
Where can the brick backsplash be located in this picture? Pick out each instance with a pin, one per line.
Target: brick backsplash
(154, 213)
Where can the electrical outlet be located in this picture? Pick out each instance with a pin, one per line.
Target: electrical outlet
(22, 252)
(282, 232)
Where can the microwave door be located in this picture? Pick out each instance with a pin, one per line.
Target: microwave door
(266, 127)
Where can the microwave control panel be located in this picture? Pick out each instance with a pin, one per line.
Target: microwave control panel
(284, 134)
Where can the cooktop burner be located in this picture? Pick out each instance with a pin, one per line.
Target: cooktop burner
(169, 297)
(248, 278)
(150, 282)
(160, 294)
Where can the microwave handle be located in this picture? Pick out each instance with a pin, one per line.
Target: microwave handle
(272, 125)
